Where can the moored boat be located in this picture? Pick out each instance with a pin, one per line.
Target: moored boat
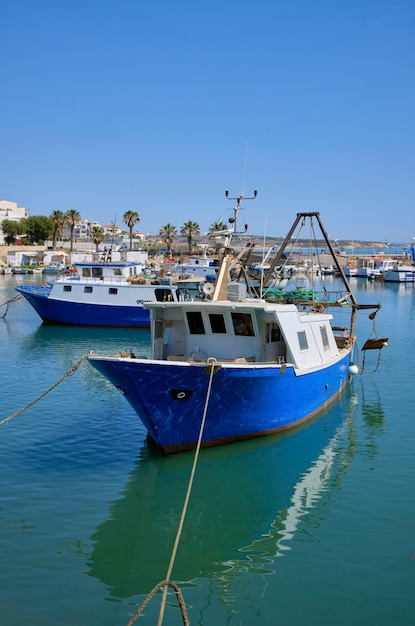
(199, 267)
(367, 267)
(53, 269)
(350, 272)
(231, 367)
(400, 274)
(397, 272)
(101, 294)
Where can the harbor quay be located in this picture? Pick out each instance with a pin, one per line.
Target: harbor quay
(297, 258)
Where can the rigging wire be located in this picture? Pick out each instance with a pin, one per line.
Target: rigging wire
(263, 255)
(319, 264)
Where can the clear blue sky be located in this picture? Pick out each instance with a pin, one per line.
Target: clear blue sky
(159, 107)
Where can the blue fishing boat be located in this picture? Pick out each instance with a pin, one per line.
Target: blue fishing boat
(101, 294)
(232, 367)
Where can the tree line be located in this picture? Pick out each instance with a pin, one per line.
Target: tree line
(40, 228)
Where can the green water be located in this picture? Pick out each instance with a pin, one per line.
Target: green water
(312, 527)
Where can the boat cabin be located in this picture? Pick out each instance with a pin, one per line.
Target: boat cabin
(116, 272)
(254, 331)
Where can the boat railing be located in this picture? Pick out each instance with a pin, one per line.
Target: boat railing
(304, 297)
(99, 279)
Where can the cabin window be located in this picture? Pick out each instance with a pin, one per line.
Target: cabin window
(87, 289)
(302, 340)
(163, 295)
(195, 322)
(324, 337)
(272, 333)
(86, 272)
(113, 291)
(242, 324)
(217, 323)
(97, 272)
(117, 271)
(67, 287)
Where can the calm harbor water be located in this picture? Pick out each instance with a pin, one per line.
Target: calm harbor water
(316, 526)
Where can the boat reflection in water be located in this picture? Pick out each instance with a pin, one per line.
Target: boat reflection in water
(247, 503)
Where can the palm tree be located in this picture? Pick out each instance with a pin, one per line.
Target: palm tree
(190, 230)
(167, 234)
(131, 218)
(98, 235)
(72, 216)
(58, 218)
(215, 226)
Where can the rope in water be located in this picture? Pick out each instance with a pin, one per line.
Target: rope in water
(9, 302)
(71, 371)
(167, 582)
(179, 595)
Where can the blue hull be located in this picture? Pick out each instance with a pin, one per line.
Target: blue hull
(244, 402)
(83, 314)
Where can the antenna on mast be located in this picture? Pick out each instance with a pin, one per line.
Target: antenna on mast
(244, 172)
(232, 220)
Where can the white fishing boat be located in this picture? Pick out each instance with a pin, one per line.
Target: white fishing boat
(400, 273)
(198, 267)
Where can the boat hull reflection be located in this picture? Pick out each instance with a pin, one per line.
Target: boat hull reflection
(247, 499)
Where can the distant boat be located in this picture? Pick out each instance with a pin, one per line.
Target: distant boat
(200, 267)
(350, 272)
(400, 274)
(369, 268)
(231, 367)
(52, 269)
(103, 294)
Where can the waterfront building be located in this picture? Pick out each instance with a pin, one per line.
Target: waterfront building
(10, 211)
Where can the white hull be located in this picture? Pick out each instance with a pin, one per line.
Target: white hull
(400, 274)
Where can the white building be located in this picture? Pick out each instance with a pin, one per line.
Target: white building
(112, 231)
(10, 211)
(82, 230)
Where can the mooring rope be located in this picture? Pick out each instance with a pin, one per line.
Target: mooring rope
(179, 595)
(9, 302)
(71, 371)
(167, 582)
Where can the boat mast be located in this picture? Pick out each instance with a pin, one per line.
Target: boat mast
(221, 286)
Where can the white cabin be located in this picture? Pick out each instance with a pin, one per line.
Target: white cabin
(254, 331)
